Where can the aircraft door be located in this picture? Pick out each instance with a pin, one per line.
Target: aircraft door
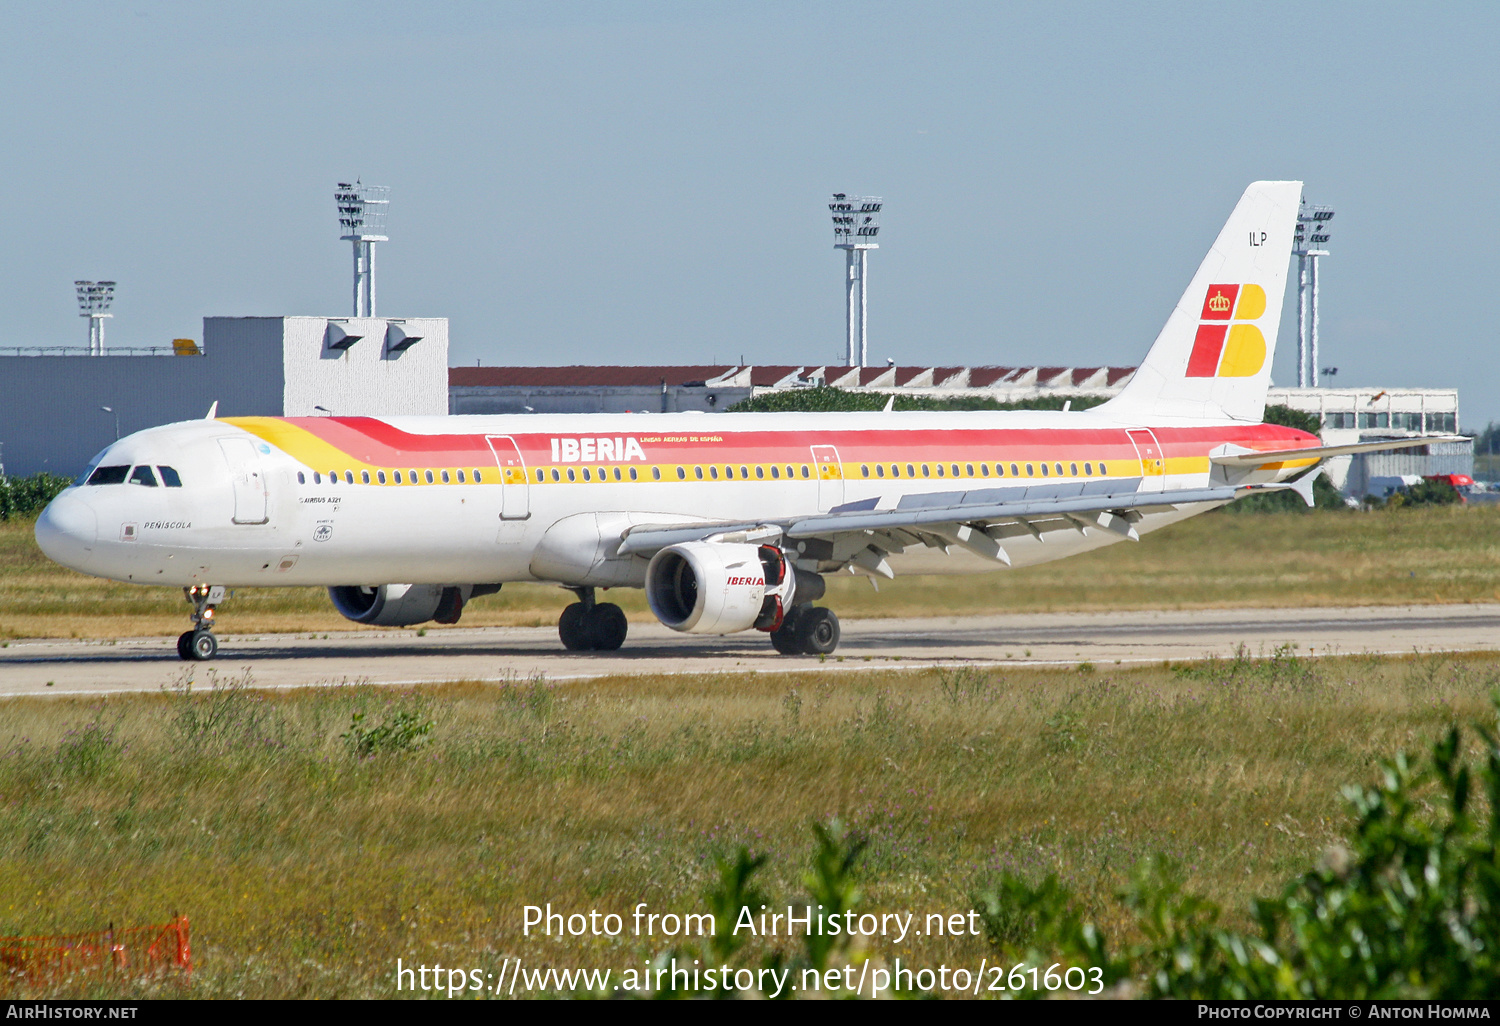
(515, 499)
(248, 478)
(830, 471)
(1153, 463)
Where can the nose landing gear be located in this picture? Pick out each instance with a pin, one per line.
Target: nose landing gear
(200, 643)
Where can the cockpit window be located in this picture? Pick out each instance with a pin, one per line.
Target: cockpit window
(109, 475)
(169, 477)
(142, 476)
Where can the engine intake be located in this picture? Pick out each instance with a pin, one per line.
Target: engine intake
(720, 588)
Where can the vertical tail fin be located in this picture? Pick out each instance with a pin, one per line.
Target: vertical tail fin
(1213, 358)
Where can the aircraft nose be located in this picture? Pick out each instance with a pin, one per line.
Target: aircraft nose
(67, 530)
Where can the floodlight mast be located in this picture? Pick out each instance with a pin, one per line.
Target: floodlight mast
(1308, 243)
(94, 299)
(856, 223)
(362, 210)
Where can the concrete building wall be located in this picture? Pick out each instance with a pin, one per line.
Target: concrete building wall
(50, 416)
(384, 373)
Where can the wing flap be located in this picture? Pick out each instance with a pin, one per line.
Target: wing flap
(940, 520)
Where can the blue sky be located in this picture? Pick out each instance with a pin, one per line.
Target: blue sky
(646, 182)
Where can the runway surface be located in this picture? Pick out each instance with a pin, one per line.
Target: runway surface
(498, 653)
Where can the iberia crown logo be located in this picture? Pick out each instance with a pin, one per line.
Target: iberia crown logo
(1229, 350)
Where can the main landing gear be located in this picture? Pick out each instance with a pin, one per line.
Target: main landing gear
(200, 643)
(807, 630)
(587, 626)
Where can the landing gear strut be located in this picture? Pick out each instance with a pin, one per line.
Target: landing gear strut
(200, 643)
(589, 626)
(807, 630)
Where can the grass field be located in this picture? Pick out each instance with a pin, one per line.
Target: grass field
(308, 864)
(1446, 554)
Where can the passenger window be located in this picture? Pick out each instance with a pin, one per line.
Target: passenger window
(911, 471)
(429, 477)
(955, 470)
(617, 474)
(924, 471)
(555, 475)
(940, 469)
(1016, 473)
(571, 477)
(745, 473)
(656, 473)
(1029, 471)
(478, 478)
(895, 470)
(1072, 470)
(682, 473)
(364, 477)
(143, 476)
(760, 472)
(879, 470)
(1103, 470)
(1057, 467)
(586, 474)
(445, 478)
(301, 477)
(461, 479)
(632, 473)
(804, 470)
(380, 476)
(776, 472)
(698, 473)
(984, 470)
(1044, 469)
(541, 475)
(864, 469)
(1088, 470)
(729, 473)
(713, 472)
(318, 478)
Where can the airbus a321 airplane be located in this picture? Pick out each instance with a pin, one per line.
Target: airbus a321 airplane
(729, 521)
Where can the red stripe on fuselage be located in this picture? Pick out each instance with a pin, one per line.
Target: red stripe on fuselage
(375, 442)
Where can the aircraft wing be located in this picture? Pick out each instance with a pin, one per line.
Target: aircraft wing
(980, 521)
(1260, 458)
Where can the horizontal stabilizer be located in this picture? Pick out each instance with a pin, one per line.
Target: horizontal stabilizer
(1261, 459)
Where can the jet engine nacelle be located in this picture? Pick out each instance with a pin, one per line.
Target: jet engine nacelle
(706, 587)
(402, 605)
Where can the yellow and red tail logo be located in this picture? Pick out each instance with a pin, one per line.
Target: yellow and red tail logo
(1229, 350)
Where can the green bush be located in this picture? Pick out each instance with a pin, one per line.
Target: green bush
(1429, 493)
(28, 496)
(1409, 907)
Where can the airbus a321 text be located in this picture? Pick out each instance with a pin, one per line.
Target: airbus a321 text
(729, 521)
